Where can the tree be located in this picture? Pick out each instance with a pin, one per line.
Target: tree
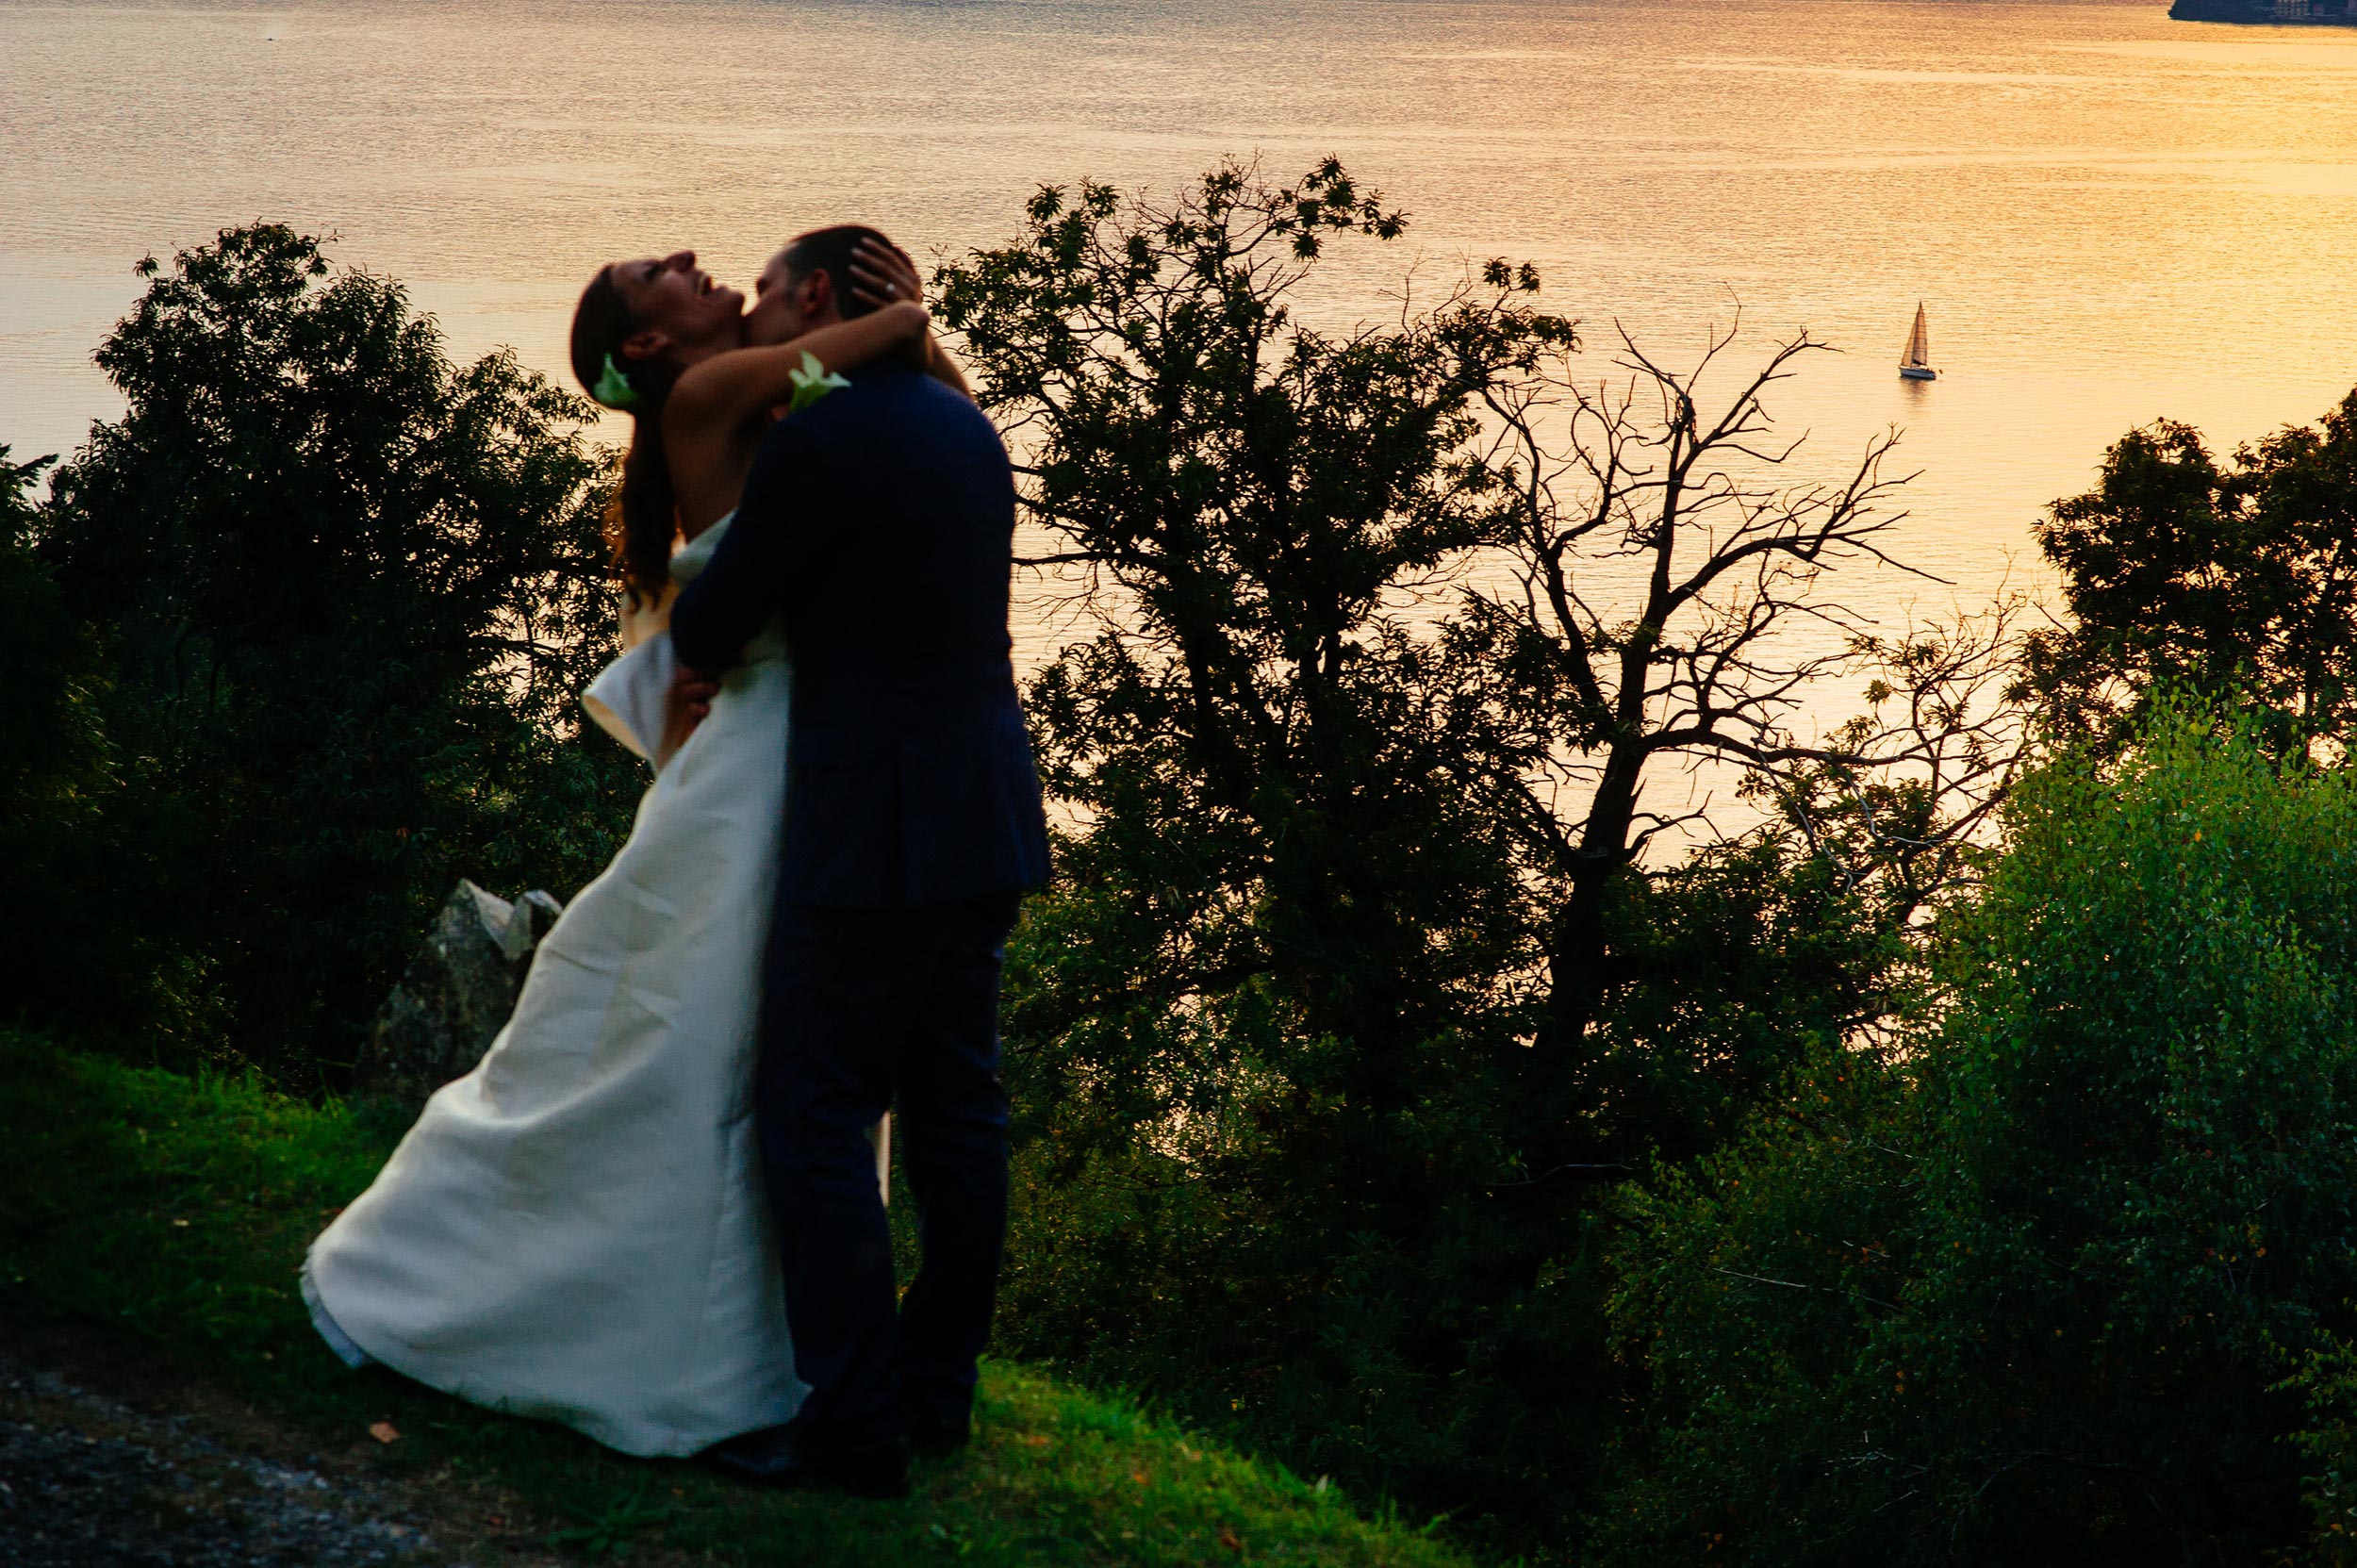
(351, 590)
(1284, 1008)
(56, 753)
(1265, 1013)
(2236, 581)
(63, 850)
(1663, 607)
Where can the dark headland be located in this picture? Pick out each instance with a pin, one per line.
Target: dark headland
(2329, 13)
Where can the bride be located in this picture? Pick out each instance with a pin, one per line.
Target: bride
(576, 1230)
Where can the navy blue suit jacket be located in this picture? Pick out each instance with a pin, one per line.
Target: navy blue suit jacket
(879, 522)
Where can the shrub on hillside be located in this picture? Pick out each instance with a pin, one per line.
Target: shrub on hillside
(349, 590)
(2032, 1290)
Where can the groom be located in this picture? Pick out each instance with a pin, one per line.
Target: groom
(879, 523)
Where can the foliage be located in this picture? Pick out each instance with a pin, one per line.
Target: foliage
(2232, 581)
(2033, 1288)
(1734, 968)
(1267, 995)
(351, 588)
(2326, 1380)
(56, 753)
(63, 851)
(168, 1216)
(1289, 1158)
(1664, 605)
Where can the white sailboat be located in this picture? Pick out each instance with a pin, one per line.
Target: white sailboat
(1916, 365)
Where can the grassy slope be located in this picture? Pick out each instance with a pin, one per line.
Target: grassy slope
(169, 1217)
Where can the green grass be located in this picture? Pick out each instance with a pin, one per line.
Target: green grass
(166, 1216)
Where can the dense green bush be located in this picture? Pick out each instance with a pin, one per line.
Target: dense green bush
(2030, 1288)
(348, 590)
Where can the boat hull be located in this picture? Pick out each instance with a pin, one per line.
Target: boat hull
(1911, 372)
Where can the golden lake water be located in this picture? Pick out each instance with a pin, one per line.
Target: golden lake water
(2108, 216)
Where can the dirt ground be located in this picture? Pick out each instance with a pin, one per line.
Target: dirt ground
(89, 1480)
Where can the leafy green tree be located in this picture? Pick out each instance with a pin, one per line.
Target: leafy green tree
(1289, 1155)
(352, 588)
(80, 876)
(1731, 968)
(2031, 1288)
(2237, 581)
(55, 751)
(1264, 1018)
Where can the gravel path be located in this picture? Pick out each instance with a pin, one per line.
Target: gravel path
(86, 1483)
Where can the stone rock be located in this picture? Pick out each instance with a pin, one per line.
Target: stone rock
(455, 995)
(533, 913)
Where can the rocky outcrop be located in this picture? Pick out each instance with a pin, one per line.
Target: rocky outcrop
(455, 995)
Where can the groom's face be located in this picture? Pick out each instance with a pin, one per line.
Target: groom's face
(786, 306)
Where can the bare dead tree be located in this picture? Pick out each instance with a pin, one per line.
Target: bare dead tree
(1666, 609)
(1903, 805)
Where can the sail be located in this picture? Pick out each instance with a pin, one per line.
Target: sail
(1919, 355)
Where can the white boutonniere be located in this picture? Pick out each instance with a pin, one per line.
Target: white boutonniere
(811, 382)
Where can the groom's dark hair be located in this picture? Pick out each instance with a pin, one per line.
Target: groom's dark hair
(829, 251)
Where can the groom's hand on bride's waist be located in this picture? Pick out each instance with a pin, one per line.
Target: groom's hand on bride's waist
(685, 707)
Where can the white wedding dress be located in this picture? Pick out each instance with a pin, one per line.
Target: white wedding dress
(576, 1230)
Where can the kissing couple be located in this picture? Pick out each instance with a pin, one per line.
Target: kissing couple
(656, 1210)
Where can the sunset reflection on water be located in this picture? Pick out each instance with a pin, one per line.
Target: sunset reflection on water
(2110, 217)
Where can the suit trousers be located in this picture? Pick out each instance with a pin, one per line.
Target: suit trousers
(866, 1008)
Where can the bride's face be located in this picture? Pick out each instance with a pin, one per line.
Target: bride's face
(673, 299)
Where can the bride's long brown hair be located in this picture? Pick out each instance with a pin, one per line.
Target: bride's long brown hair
(642, 521)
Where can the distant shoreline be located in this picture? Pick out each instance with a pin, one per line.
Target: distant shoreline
(2273, 13)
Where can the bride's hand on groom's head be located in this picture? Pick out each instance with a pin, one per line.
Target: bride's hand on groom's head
(884, 277)
(883, 274)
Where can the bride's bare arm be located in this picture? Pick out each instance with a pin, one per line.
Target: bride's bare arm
(721, 393)
(716, 412)
(717, 409)
(731, 388)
